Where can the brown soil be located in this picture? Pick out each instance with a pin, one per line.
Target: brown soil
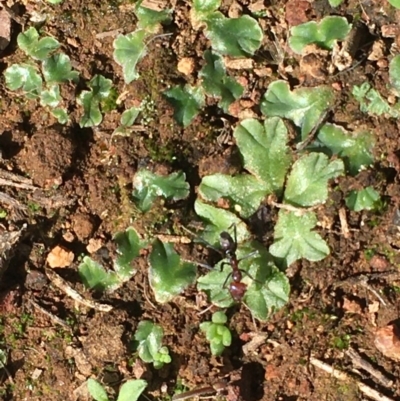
(82, 196)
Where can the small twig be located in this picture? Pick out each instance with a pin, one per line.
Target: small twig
(16, 184)
(313, 132)
(291, 208)
(62, 285)
(215, 388)
(343, 222)
(114, 32)
(54, 318)
(365, 365)
(338, 374)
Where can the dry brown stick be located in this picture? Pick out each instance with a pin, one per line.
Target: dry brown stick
(52, 317)
(62, 285)
(9, 183)
(338, 374)
(359, 362)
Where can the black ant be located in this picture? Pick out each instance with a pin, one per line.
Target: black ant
(228, 249)
(236, 288)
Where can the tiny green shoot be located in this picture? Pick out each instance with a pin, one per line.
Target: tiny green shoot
(148, 186)
(364, 199)
(217, 333)
(148, 343)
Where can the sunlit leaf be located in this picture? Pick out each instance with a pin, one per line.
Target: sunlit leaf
(131, 390)
(294, 238)
(217, 83)
(264, 150)
(187, 101)
(324, 34)
(50, 97)
(354, 149)
(58, 69)
(148, 186)
(128, 51)
(304, 106)
(168, 274)
(236, 37)
(220, 220)
(94, 276)
(364, 199)
(29, 42)
(244, 192)
(96, 390)
(25, 77)
(307, 184)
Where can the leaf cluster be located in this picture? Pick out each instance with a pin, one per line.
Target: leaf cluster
(148, 343)
(55, 69)
(299, 179)
(217, 333)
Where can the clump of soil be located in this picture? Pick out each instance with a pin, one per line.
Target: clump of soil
(48, 156)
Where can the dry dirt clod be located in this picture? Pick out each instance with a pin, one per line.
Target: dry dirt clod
(60, 257)
(5, 29)
(48, 156)
(387, 340)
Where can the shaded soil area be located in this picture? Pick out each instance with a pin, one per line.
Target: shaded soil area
(71, 187)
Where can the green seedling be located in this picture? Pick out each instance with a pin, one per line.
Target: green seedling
(324, 34)
(100, 89)
(365, 199)
(131, 48)
(266, 288)
(148, 342)
(148, 186)
(235, 37)
(371, 101)
(187, 101)
(217, 83)
(55, 69)
(128, 117)
(128, 51)
(266, 156)
(217, 333)
(129, 391)
(354, 149)
(303, 106)
(168, 274)
(395, 3)
(149, 19)
(30, 44)
(96, 277)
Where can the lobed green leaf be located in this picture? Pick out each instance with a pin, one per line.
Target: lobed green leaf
(307, 184)
(187, 101)
(168, 275)
(324, 34)
(294, 238)
(128, 51)
(304, 106)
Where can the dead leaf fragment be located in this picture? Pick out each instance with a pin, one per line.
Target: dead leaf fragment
(60, 257)
(387, 341)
